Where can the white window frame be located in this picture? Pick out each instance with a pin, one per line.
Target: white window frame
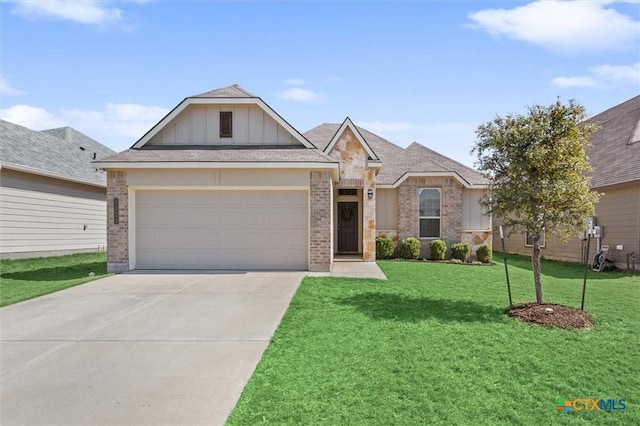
(543, 242)
(430, 217)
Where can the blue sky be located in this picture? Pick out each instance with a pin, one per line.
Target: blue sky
(426, 71)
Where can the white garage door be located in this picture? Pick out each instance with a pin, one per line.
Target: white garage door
(221, 230)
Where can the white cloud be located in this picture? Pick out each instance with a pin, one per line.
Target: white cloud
(89, 12)
(623, 73)
(294, 82)
(563, 25)
(581, 81)
(299, 94)
(117, 126)
(603, 76)
(31, 117)
(7, 90)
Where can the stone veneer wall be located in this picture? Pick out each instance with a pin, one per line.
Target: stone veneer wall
(450, 215)
(369, 218)
(476, 239)
(320, 222)
(354, 167)
(117, 234)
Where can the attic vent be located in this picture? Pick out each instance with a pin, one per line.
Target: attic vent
(94, 155)
(226, 124)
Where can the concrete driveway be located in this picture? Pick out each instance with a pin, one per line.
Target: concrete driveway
(139, 349)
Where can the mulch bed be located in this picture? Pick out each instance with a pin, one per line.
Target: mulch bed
(552, 315)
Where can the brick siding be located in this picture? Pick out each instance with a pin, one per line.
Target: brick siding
(450, 215)
(320, 244)
(117, 234)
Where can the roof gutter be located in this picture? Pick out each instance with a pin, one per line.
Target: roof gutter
(122, 165)
(39, 172)
(454, 175)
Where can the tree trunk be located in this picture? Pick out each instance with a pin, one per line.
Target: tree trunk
(535, 265)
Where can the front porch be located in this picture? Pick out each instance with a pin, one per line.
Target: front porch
(354, 223)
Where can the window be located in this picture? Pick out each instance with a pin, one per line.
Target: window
(429, 212)
(226, 124)
(347, 192)
(528, 240)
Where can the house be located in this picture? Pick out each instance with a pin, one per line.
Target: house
(614, 154)
(224, 182)
(52, 199)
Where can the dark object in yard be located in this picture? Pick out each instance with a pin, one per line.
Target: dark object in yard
(601, 263)
(559, 316)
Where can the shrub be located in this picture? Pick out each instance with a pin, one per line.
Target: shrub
(461, 251)
(385, 247)
(484, 253)
(438, 249)
(410, 248)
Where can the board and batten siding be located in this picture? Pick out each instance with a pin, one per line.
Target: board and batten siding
(473, 214)
(387, 209)
(42, 216)
(200, 125)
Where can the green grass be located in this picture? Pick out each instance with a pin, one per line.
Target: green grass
(432, 345)
(24, 279)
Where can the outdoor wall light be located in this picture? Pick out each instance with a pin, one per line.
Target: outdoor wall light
(370, 193)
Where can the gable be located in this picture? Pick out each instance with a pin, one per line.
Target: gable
(351, 131)
(200, 125)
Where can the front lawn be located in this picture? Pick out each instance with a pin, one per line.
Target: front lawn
(24, 279)
(432, 345)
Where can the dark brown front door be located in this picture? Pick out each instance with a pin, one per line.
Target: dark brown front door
(347, 227)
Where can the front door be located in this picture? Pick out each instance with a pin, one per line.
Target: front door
(347, 227)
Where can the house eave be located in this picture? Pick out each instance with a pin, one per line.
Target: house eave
(454, 175)
(106, 165)
(39, 172)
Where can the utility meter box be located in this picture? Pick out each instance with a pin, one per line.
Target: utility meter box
(598, 231)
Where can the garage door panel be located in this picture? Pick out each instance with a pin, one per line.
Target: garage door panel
(221, 229)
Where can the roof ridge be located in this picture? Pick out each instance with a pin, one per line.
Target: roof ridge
(226, 92)
(243, 90)
(442, 155)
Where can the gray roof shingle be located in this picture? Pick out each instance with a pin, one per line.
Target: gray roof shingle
(614, 152)
(74, 137)
(47, 152)
(208, 154)
(397, 161)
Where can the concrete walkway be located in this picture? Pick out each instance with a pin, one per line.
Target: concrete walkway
(139, 349)
(350, 268)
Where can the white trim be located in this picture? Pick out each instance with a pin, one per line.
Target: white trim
(334, 167)
(543, 244)
(220, 101)
(39, 172)
(218, 188)
(131, 205)
(430, 217)
(454, 175)
(348, 123)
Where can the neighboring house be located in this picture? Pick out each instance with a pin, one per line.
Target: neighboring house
(224, 182)
(615, 158)
(52, 198)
